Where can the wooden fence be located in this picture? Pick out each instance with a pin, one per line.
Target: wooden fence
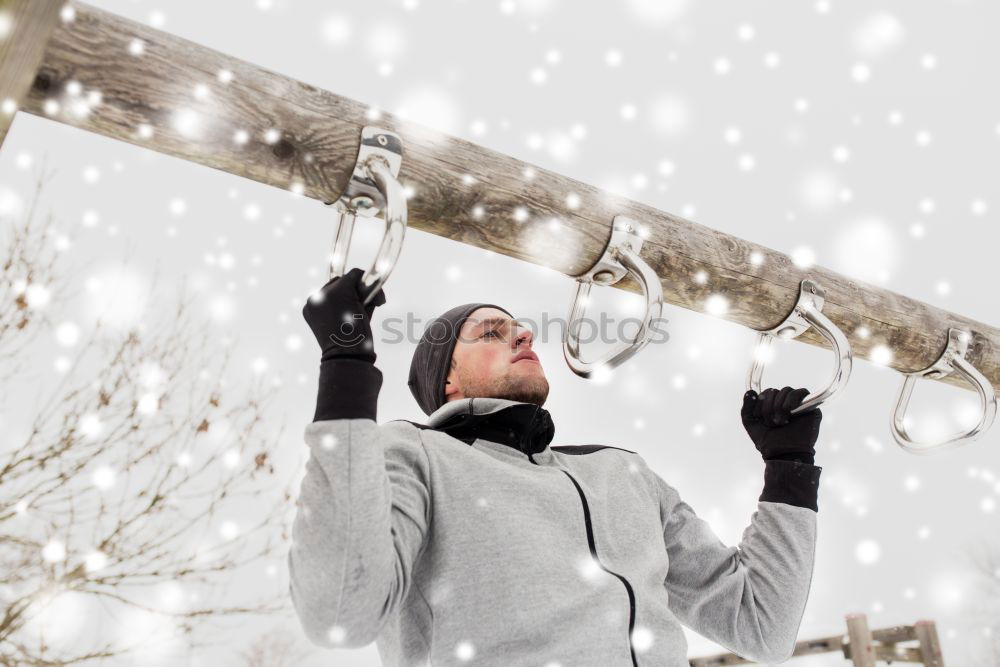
(862, 646)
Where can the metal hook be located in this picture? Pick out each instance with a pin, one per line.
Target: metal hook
(373, 186)
(621, 256)
(951, 360)
(807, 312)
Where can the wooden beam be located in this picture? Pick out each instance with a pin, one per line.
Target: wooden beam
(859, 648)
(894, 634)
(930, 646)
(25, 27)
(890, 654)
(164, 93)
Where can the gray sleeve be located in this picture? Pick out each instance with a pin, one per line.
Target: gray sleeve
(749, 598)
(363, 514)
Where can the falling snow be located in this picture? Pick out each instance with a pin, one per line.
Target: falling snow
(857, 162)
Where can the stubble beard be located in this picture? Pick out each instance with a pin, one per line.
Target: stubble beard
(511, 386)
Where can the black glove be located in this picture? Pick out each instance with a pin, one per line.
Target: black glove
(341, 324)
(776, 433)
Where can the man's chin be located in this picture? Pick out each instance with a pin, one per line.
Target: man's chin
(513, 386)
(529, 390)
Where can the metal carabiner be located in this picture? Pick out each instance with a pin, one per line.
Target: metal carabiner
(373, 186)
(620, 257)
(951, 360)
(807, 312)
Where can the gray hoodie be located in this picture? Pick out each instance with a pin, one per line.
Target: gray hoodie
(471, 540)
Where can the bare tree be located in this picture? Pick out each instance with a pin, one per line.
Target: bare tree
(277, 648)
(985, 611)
(179, 450)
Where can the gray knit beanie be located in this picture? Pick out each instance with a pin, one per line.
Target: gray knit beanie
(432, 358)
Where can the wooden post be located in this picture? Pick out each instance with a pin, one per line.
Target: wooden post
(930, 647)
(177, 97)
(25, 27)
(862, 652)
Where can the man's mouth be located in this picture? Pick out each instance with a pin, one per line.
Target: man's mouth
(525, 355)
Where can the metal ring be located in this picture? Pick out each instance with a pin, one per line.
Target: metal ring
(952, 359)
(395, 228)
(623, 252)
(373, 185)
(807, 312)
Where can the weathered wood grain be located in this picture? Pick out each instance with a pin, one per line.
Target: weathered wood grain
(509, 207)
(859, 649)
(930, 645)
(25, 26)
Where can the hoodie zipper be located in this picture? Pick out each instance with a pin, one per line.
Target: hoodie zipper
(593, 553)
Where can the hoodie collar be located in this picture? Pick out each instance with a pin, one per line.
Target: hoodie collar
(525, 427)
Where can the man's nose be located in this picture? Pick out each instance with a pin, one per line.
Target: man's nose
(524, 336)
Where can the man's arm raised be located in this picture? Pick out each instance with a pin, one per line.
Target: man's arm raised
(750, 598)
(364, 502)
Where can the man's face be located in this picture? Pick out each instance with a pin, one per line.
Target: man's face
(487, 361)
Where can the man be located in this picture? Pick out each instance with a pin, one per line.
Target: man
(470, 540)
